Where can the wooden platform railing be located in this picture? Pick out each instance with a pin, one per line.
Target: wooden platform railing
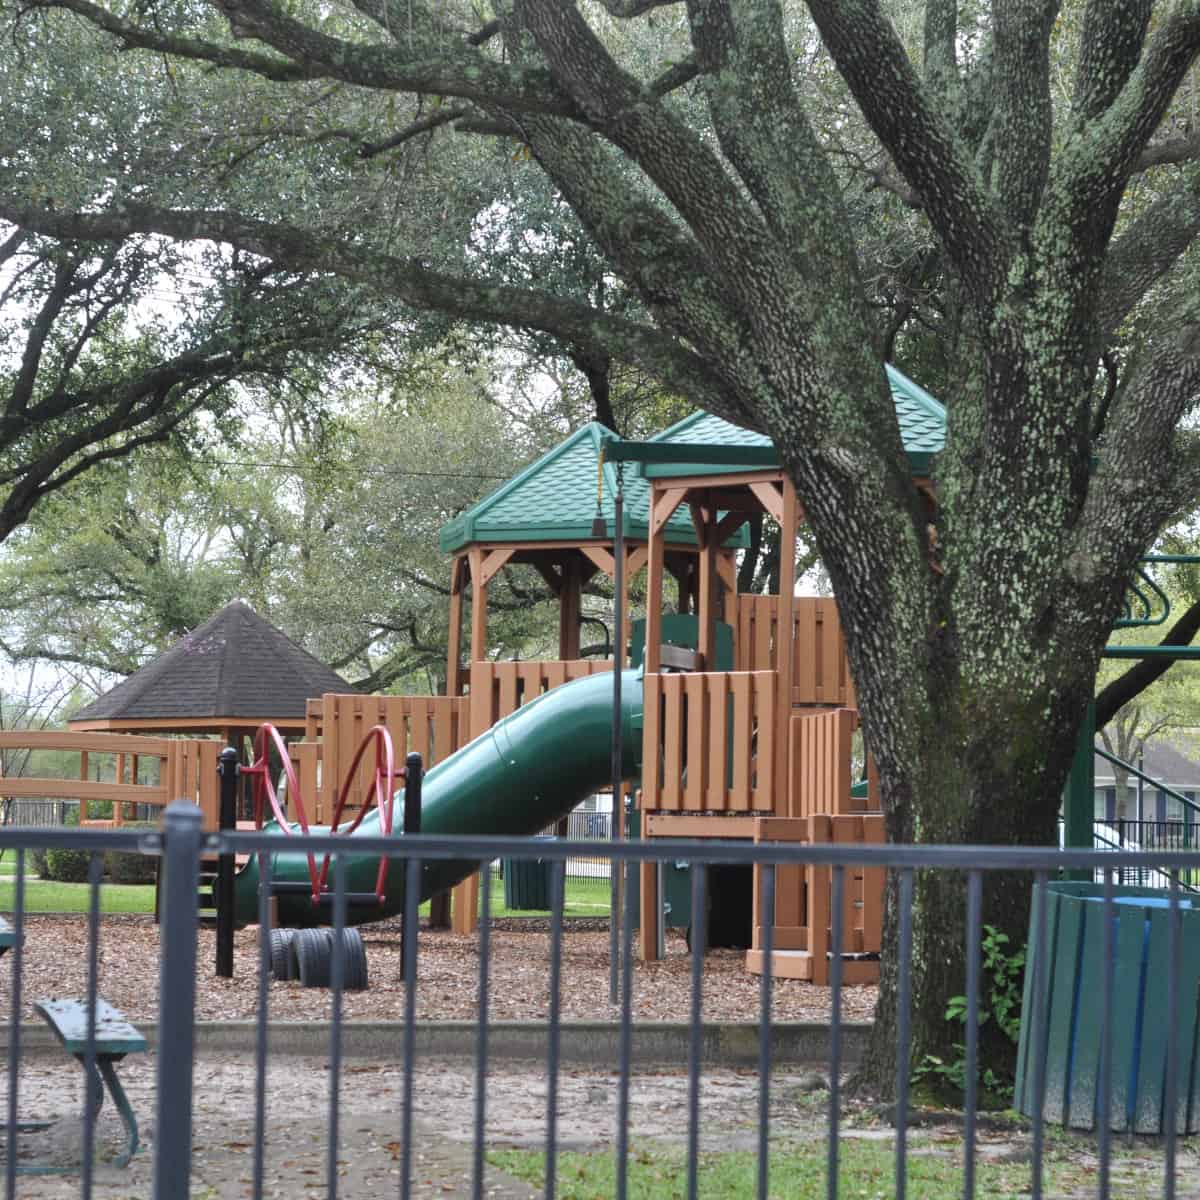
(819, 765)
(498, 689)
(802, 934)
(820, 672)
(182, 768)
(708, 742)
(432, 726)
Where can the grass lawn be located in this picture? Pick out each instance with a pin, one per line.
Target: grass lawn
(44, 896)
(866, 1169)
(584, 897)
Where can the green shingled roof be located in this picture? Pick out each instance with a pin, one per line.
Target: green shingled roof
(922, 428)
(554, 500)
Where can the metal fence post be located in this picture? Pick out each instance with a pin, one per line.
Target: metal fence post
(227, 768)
(177, 1001)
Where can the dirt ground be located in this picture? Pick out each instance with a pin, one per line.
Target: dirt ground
(369, 1151)
(368, 1157)
(447, 983)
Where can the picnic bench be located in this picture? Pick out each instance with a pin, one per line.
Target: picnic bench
(8, 936)
(115, 1037)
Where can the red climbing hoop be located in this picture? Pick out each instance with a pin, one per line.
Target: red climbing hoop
(382, 787)
(264, 789)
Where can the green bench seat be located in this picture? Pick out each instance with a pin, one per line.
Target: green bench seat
(115, 1037)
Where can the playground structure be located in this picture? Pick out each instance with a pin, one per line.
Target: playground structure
(739, 724)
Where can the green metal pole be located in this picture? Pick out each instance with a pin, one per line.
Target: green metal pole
(1079, 800)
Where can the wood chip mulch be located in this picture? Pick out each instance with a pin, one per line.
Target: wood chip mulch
(55, 964)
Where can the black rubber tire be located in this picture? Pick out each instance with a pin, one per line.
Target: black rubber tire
(354, 960)
(283, 965)
(311, 955)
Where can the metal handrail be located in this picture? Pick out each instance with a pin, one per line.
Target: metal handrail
(1162, 787)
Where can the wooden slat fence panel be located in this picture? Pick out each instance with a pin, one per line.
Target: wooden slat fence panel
(820, 671)
(803, 895)
(820, 763)
(434, 726)
(499, 689)
(723, 722)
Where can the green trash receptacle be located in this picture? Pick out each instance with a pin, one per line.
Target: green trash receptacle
(1062, 1023)
(527, 883)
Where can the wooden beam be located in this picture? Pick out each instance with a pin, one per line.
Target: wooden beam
(786, 653)
(771, 498)
(493, 561)
(664, 504)
(478, 606)
(680, 826)
(706, 608)
(545, 568)
(638, 557)
(654, 600)
(649, 900)
(601, 557)
(728, 525)
(570, 604)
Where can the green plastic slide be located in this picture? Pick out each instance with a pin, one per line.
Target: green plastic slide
(520, 776)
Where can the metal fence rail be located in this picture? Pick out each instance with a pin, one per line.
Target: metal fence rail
(182, 843)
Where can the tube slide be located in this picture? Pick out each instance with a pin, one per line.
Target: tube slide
(520, 776)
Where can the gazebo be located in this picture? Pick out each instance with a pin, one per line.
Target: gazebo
(227, 677)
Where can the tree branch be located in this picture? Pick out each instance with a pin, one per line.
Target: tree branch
(1147, 250)
(925, 149)
(1126, 687)
(1023, 115)
(406, 279)
(1109, 48)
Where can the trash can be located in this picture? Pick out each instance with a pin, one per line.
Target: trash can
(1062, 1023)
(527, 883)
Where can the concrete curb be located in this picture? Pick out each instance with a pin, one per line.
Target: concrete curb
(732, 1044)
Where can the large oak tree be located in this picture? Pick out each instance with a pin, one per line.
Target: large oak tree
(706, 170)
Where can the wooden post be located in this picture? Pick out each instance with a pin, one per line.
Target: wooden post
(83, 774)
(785, 651)
(707, 573)
(479, 593)
(570, 603)
(454, 642)
(648, 904)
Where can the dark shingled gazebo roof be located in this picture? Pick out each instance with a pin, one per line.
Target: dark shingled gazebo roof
(234, 670)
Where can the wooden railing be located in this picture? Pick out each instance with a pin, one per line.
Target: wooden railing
(498, 689)
(820, 672)
(803, 901)
(709, 742)
(819, 765)
(432, 726)
(183, 769)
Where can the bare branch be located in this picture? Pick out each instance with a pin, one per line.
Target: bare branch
(433, 120)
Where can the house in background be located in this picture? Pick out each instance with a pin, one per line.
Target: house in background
(1169, 768)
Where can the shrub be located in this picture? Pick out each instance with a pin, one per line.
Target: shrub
(67, 866)
(38, 864)
(123, 867)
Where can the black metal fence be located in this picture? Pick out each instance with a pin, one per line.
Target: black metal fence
(181, 843)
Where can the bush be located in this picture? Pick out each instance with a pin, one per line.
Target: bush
(38, 864)
(67, 866)
(124, 867)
